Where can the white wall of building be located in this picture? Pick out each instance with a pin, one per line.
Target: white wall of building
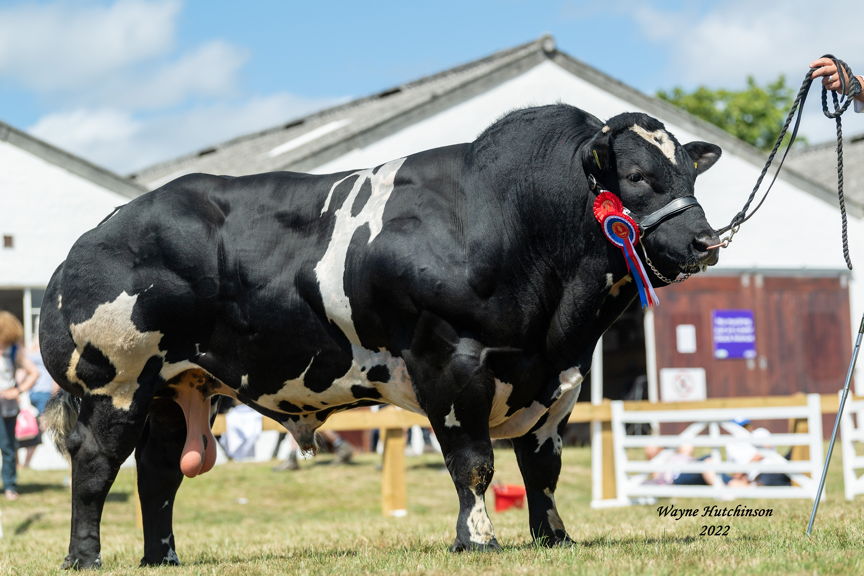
(792, 231)
(45, 208)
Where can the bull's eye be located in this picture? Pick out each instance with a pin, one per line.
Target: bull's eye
(635, 177)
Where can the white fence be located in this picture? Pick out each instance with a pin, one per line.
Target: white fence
(851, 436)
(715, 430)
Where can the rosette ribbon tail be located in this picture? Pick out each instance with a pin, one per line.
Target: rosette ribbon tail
(647, 295)
(620, 229)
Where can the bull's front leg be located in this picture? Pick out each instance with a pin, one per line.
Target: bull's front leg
(539, 456)
(455, 389)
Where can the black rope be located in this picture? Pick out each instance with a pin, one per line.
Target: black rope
(849, 91)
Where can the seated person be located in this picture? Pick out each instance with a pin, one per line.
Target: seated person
(744, 453)
(683, 455)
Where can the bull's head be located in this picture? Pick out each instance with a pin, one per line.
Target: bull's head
(635, 158)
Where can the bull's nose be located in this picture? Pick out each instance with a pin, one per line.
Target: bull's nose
(705, 248)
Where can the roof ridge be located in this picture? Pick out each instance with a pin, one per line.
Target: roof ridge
(70, 162)
(545, 43)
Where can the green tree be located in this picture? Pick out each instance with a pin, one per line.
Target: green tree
(755, 114)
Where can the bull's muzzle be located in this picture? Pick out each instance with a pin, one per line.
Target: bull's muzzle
(706, 249)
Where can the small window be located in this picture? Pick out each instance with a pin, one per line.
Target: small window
(8, 241)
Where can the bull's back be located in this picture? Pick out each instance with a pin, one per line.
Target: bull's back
(165, 264)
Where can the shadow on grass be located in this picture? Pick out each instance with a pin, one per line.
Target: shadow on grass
(29, 521)
(427, 466)
(291, 556)
(604, 541)
(32, 488)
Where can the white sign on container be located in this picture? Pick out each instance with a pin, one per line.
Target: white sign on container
(682, 384)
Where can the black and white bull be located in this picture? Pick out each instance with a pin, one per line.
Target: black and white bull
(469, 283)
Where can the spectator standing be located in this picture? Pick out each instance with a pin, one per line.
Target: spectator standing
(12, 358)
(40, 393)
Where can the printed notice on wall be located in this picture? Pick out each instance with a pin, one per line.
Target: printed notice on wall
(734, 334)
(685, 338)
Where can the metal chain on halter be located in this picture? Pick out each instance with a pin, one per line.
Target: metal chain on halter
(849, 92)
(657, 273)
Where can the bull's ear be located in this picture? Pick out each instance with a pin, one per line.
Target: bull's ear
(704, 155)
(597, 156)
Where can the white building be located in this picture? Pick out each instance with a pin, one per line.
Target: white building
(48, 198)
(785, 268)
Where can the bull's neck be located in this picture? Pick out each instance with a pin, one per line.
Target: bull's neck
(592, 299)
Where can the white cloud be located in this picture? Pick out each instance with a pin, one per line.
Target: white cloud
(68, 46)
(209, 71)
(737, 38)
(120, 142)
(86, 129)
(722, 45)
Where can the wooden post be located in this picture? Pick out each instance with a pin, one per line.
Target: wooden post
(610, 487)
(393, 493)
(799, 426)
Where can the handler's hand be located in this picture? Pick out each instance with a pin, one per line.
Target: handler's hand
(10, 393)
(830, 78)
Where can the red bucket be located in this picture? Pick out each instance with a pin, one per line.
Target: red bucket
(508, 496)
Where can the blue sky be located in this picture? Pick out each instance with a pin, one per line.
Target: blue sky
(131, 82)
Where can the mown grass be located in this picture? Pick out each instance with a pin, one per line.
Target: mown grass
(245, 519)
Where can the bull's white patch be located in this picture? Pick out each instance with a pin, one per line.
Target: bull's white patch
(569, 379)
(557, 412)
(610, 280)
(170, 556)
(615, 289)
(396, 390)
(519, 423)
(552, 515)
(450, 421)
(330, 271)
(498, 413)
(111, 331)
(567, 394)
(659, 138)
(480, 529)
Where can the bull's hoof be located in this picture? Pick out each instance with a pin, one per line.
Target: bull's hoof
(491, 546)
(555, 541)
(169, 561)
(73, 563)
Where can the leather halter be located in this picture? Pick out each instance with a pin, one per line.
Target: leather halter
(646, 223)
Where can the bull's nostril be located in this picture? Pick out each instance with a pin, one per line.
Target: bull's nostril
(705, 242)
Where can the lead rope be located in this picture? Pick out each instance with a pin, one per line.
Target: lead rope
(840, 106)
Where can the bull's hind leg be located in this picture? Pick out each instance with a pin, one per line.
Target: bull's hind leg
(177, 441)
(158, 462)
(539, 456)
(456, 394)
(103, 437)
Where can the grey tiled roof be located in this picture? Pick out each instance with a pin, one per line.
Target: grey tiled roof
(819, 163)
(303, 143)
(307, 142)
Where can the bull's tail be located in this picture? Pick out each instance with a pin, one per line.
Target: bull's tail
(60, 417)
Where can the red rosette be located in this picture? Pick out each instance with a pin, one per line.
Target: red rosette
(607, 204)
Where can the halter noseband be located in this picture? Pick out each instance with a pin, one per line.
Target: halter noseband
(654, 218)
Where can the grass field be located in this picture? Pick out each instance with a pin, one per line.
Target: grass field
(245, 519)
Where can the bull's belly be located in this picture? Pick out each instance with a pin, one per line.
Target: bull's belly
(376, 376)
(380, 376)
